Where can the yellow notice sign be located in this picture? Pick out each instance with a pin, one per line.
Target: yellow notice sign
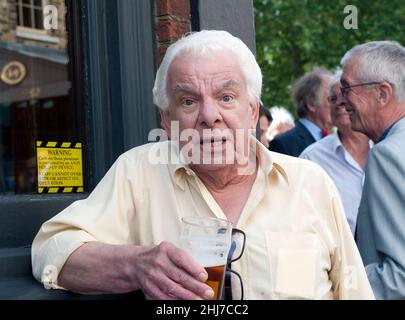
(60, 167)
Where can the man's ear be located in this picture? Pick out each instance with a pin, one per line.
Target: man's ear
(165, 116)
(311, 107)
(254, 113)
(385, 93)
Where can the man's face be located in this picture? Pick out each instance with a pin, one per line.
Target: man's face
(340, 117)
(360, 101)
(264, 125)
(208, 94)
(322, 111)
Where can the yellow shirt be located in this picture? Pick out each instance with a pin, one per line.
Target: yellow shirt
(298, 243)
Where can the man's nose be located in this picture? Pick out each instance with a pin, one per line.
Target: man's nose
(341, 99)
(209, 113)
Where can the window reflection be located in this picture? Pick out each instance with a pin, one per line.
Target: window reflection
(35, 90)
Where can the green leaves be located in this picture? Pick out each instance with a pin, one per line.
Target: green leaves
(293, 36)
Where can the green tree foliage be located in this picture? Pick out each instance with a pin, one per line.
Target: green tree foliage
(293, 36)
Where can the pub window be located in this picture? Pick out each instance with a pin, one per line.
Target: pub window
(38, 106)
(30, 14)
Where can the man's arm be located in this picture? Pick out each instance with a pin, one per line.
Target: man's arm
(162, 272)
(348, 276)
(384, 203)
(71, 250)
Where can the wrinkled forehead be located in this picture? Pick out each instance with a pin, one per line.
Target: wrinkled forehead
(220, 68)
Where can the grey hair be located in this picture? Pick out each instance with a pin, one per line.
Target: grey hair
(335, 79)
(204, 42)
(281, 116)
(380, 61)
(308, 89)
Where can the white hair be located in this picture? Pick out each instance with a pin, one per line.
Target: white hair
(280, 115)
(380, 61)
(202, 43)
(335, 79)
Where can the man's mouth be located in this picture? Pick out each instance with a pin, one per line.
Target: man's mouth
(342, 114)
(213, 141)
(350, 111)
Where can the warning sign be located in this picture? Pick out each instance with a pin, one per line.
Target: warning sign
(60, 167)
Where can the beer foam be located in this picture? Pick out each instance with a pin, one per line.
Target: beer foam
(208, 251)
(207, 260)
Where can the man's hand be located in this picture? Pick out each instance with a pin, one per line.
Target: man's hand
(168, 272)
(162, 272)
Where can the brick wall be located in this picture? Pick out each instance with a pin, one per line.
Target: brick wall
(172, 20)
(8, 25)
(8, 20)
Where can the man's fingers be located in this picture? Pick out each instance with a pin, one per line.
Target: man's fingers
(185, 261)
(152, 291)
(174, 274)
(176, 291)
(190, 283)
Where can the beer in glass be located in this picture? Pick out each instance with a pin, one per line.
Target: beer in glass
(208, 241)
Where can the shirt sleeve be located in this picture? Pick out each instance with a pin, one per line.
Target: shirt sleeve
(384, 204)
(107, 215)
(348, 275)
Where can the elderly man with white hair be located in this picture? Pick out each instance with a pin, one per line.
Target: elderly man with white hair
(373, 85)
(125, 235)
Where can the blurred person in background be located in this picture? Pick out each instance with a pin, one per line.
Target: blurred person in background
(342, 154)
(310, 94)
(283, 120)
(265, 119)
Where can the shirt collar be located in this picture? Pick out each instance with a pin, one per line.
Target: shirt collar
(387, 131)
(335, 143)
(313, 129)
(177, 165)
(179, 169)
(268, 162)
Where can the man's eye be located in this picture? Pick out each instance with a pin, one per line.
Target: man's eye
(187, 102)
(227, 98)
(332, 99)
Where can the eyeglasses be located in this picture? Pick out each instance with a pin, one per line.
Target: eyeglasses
(345, 90)
(231, 276)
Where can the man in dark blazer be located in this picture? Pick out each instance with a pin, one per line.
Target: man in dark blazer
(375, 100)
(310, 98)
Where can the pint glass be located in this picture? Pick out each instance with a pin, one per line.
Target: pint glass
(208, 241)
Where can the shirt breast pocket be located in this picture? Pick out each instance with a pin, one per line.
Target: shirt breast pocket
(295, 264)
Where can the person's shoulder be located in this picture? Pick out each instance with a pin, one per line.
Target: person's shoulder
(388, 152)
(287, 135)
(284, 141)
(319, 146)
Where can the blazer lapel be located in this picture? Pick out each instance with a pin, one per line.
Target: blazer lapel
(305, 136)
